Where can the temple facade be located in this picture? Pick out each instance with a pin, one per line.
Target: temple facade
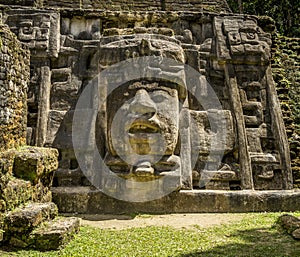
(167, 95)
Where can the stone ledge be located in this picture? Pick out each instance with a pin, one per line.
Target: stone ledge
(35, 163)
(88, 200)
(15, 192)
(25, 219)
(54, 234)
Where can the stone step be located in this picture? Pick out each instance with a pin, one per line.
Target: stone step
(88, 200)
(72, 199)
(58, 232)
(24, 220)
(36, 163)
(67, 177)
(15, 192)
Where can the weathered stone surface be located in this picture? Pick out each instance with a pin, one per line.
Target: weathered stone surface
(36, 226)
(15, 193)
(54, 234)
(14, 78)
(38, 30)
(72, 198)
(132, 5)
(25, 219)
(150, 127)
(6, 162)
(291, 224)
(36, 164)
(65, 177)
(19, 223)
(296, 234)
(184, 201)
(26, 173)
(6, 166)
(18, 2)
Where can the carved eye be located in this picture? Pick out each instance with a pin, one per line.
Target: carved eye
(158, 98)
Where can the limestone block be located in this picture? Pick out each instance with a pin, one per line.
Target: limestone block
(59, 131)
(220, 175)
(54, 234)
(36, 164)
(38, 30)
(183, 201)
(67, 177)
(64, 89)
(202, 133)
(217, 185)
(71, 198)
(55, 121)
(25, 219)
(15, 192)
(41, 193)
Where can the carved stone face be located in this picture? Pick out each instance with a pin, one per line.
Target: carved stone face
(142, 115)
(144, 125)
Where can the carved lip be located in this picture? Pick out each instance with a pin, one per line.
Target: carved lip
(143, 126)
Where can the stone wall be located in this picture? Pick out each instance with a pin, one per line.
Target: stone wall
(26, 173)
(69, 47)
(18, 2)
(14, 76)
(71, 41)
(129, 5)
(286, 72)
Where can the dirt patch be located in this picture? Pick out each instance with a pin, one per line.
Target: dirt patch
(174, 220)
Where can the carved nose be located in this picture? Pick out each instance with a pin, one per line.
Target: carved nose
(142, 104)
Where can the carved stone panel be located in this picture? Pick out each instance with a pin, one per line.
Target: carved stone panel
(39, 30)
(240, 144)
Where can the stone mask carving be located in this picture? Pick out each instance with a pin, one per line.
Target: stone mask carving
(149, 119)
(143, 116)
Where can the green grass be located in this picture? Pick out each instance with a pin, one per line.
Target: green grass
(255, 235)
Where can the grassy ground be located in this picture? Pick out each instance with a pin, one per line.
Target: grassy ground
(256, 235)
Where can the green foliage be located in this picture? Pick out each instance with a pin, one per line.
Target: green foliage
(286, 74)
(284, 12)
(256, 235)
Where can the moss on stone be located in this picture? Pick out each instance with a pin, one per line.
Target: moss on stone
(35, 164)
(15, 76)
(26, 174)
(286, 74)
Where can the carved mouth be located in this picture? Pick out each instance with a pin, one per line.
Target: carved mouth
(143, 126)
